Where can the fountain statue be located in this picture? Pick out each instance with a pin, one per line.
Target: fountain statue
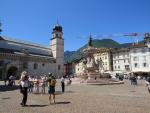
(93, 70)
(91, 66)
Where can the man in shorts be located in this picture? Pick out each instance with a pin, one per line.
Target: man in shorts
(51, 86)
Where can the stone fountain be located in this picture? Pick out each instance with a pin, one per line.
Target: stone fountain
(93, 69)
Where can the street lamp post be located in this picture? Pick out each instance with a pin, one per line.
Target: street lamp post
(0, 27)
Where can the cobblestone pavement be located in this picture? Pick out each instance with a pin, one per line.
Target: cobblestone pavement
(78, 98)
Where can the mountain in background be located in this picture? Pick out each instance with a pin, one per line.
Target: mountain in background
(70, 56)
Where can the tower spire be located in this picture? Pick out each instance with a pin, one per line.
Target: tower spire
(57, 22)
(90, 41)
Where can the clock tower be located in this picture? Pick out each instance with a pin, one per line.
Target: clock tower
(57, 47)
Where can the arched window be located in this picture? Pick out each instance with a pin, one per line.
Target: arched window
(56, 35)
(35, 66)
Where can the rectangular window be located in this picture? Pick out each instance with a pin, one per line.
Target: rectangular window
(135, 65)
(127, 67)
(144, 58)
(135, 58)
(144, 64)
(1, 63)
(35, 66)
(134, 51)
(143, 50)
(25, 65)
(59, 67)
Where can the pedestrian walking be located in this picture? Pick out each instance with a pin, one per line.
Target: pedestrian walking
(36, 86)
(31, 84)
(43, 80)
(63, 84)
(5, 81)
(51, 87)
(24, 87)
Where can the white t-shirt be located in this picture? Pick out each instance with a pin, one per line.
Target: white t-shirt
(24, 83)
(62, 79)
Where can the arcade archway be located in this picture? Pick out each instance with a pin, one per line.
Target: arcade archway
(12, 71)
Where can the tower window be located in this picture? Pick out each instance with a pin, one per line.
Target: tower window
(56, 35)
(59, 67)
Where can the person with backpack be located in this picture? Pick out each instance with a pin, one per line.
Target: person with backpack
(51, 87)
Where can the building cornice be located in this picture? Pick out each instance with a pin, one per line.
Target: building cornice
(24, 57)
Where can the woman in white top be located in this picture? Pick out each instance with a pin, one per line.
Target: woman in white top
(43, 80)
(36, 86)
(24, 87)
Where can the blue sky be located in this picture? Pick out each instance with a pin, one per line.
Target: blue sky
(33, 20)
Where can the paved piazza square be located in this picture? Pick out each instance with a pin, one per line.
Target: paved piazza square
(78, 98)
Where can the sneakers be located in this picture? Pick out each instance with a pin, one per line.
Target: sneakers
(23, 105)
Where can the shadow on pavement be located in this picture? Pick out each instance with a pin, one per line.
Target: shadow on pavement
(36, 105)
(8, 88)
(6, 98)
(59, 92)
(67, 102)
(69, 92)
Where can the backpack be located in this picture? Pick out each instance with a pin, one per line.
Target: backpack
(52, 82)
